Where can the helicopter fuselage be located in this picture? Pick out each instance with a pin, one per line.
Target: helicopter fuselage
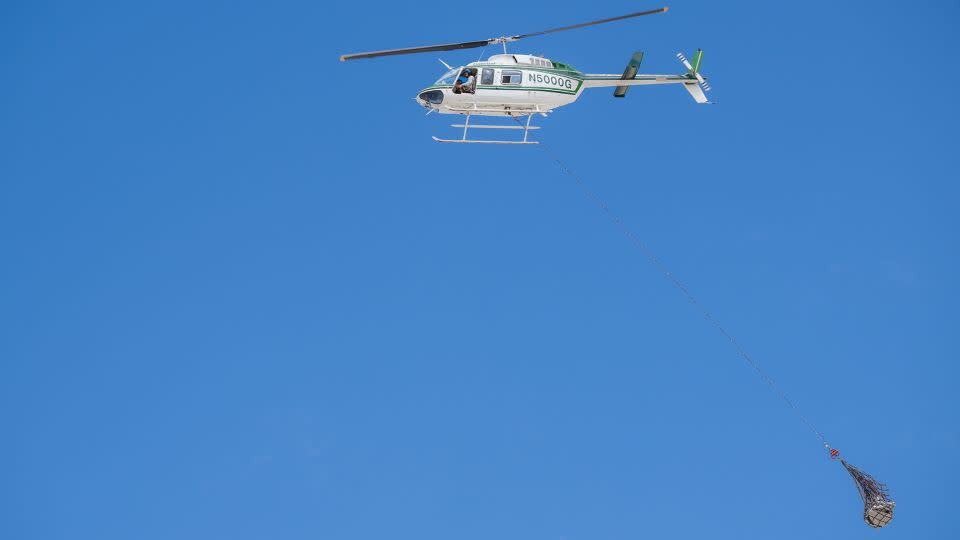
(506, 85)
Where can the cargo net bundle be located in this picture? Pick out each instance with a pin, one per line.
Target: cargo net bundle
(877, 505)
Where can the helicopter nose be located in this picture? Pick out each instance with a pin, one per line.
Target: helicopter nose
(432, 97)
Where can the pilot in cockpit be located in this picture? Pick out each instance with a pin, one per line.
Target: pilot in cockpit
(466, 83)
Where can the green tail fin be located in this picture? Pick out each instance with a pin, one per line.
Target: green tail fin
(695, 62)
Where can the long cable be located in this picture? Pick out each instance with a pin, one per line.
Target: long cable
(637, 242)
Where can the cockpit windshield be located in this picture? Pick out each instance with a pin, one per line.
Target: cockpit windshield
(448, 77)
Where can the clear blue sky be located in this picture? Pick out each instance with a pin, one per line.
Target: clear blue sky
(244, 295)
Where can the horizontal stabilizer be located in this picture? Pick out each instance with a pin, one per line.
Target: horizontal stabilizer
(628, 73)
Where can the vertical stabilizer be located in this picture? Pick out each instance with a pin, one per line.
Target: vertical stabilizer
(695, 63)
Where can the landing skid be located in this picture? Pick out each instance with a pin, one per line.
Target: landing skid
(466, 128)
(476, 141)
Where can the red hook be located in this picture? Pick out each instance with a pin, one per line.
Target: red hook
(834, 454)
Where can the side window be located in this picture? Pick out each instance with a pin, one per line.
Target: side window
(510, 77)
(486, 76)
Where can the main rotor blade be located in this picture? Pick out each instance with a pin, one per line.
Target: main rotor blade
(601, 21)
(426, 48)
(485, 42)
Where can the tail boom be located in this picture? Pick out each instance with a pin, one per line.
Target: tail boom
(693, 81)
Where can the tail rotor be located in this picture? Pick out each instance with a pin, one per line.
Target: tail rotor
(694, 68)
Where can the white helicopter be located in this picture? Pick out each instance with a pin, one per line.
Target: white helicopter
(517, 85)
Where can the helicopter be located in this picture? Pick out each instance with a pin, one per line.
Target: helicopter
(518, 85)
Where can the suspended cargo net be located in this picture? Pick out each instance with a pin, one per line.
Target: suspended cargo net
(877, 505)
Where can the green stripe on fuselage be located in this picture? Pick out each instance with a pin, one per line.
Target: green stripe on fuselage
(514, 87)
